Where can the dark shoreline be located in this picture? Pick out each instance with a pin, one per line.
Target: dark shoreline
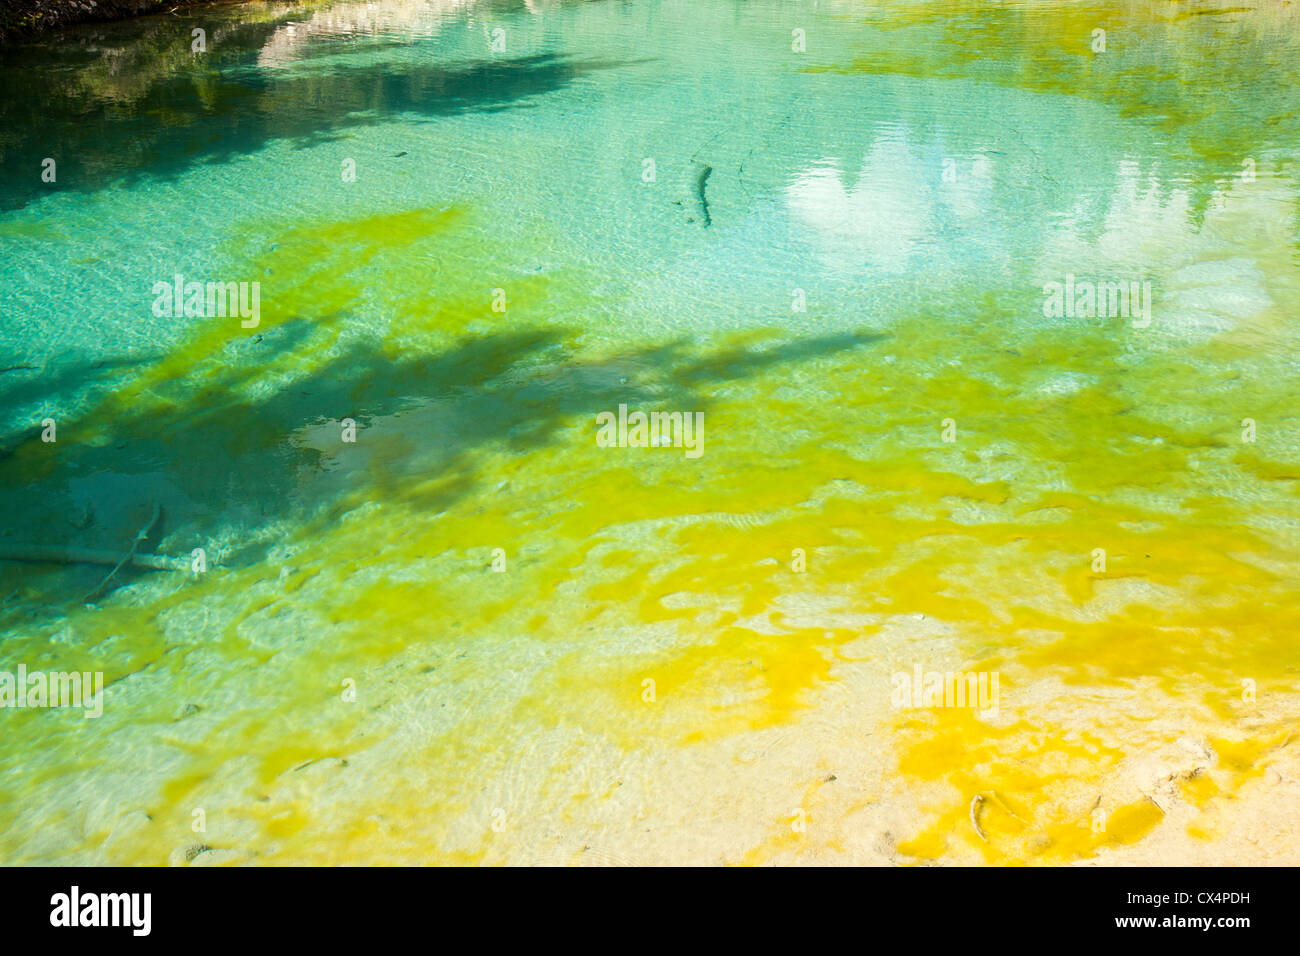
(29, 18)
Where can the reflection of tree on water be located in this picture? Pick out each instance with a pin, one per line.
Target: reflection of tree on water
(227, 108)
(1210, 91)
(306, 36)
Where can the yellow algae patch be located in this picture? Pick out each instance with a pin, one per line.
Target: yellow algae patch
(1131, 822)
(1206, 647)
(1199, 790)
(17, 229)
(1032, 792)
(714, 684)
(311, 272)
(286, 822)
(1244, 758)
(745, 679)
(1018, 781)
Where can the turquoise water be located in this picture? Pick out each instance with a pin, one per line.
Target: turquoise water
(828, 227)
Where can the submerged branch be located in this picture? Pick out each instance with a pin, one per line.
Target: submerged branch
(51, 554)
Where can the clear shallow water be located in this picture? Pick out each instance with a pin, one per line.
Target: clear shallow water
(523, 170)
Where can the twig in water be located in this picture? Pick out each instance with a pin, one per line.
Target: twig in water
(976, 802)
(140, 536)
(1003, 804)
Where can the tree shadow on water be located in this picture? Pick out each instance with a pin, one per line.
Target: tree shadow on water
(234, 461)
